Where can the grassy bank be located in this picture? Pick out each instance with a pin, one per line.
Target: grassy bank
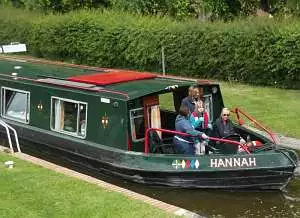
(276, 108)
(31, 191)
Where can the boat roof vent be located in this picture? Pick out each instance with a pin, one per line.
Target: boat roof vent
(71, 84)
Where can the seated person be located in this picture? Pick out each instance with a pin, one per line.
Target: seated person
(223, 127)
(185, 144)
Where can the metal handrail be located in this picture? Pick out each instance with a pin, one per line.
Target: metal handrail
(267, 130)
(146, 146)
(16, 137)
(7, 128)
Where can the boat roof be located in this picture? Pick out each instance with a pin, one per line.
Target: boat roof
(117, 83)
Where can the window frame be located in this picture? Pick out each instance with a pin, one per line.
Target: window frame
(76, 134)
(132, 123)
(3, 105)
(211, 106)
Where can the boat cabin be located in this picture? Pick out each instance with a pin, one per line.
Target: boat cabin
(105, 106)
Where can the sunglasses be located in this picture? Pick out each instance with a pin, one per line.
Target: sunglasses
(226, 115)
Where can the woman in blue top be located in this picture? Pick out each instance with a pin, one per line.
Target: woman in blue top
(185, 144)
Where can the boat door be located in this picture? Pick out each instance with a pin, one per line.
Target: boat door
(152, 112)
(141, 118)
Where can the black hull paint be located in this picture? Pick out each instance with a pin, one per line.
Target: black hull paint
(108, 162)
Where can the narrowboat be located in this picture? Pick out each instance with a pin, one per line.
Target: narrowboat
(125, 120)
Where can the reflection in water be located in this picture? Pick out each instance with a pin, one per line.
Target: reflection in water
(210, 203)
(228, 203)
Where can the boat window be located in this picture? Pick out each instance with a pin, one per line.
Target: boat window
(15, 104)
(69, 116)
(166, 101)
(137, 123)
(208, 106)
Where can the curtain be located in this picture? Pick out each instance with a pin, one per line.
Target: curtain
(58, 115)
(155, 118)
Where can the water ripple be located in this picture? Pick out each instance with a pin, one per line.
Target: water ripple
(290, 198)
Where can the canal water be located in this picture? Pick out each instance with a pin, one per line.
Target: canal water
(208, 203)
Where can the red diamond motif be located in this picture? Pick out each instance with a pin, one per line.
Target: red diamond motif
(187, 164)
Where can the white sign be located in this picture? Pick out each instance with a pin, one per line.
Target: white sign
(105, 100)
(233, 162)
(14, 48)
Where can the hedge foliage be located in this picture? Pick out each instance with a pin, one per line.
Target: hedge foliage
(259, 52)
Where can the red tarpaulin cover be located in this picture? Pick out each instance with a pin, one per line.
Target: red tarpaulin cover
(111, 77)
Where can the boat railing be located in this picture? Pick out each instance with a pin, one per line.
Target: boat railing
(147, 148)
(8, 128)
(269, 132)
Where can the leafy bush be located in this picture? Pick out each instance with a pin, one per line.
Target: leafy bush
(14, 24)
(256, 51)
(52, 6)
(207, 9)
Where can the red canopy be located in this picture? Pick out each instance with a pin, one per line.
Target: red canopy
(111, 77)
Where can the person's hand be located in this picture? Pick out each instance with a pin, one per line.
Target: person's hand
(209, 126)
(242, 141)
(204, 136)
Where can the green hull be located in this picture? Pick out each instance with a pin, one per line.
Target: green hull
(270, 169)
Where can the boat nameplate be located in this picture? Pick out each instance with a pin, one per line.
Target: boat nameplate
(216, 163)
(233, 162)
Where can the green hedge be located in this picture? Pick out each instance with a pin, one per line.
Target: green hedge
(259, 52)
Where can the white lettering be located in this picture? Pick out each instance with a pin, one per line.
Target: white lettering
(213, 162)
(228, 162)
(221, 163)
(244, 162)
(252, 161)
(233, 162)
(236, 162)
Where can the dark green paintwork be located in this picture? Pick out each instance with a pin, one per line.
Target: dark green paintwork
(36, 70)
(140, 88)
(164, 163)
(115, 134)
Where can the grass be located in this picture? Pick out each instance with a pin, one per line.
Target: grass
(31, 191)
(278, 109)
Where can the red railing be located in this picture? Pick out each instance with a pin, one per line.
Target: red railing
(146, 148)
(238, 111)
